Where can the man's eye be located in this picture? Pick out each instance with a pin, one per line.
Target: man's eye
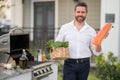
(78, 11)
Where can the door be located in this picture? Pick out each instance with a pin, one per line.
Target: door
(44, 13)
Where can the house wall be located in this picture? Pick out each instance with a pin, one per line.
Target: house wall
(93, 17)
(17, 13)
(112, 42)
(66, 8)
(65, 11)
(27, 13)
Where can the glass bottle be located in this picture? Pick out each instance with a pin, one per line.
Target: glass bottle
(39, 55)
(23, 61)
(43, 56)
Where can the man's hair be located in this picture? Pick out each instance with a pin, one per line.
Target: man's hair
(83, 4)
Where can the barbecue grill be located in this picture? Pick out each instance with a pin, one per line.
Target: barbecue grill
(13, 42)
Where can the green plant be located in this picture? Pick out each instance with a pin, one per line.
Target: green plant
(108, 68)
(56, 44)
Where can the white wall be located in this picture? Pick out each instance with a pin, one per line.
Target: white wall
(17, 13)
(111, 43)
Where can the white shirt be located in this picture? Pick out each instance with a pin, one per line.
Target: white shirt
(79, 41)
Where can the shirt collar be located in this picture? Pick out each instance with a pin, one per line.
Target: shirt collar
(82, 29)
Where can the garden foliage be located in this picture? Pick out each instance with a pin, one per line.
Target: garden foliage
(108, 68)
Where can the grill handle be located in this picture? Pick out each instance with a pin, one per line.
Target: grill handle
(16, 29)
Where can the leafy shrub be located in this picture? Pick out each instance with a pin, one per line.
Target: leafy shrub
(108, 68)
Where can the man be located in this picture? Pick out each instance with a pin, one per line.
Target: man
(80, 36)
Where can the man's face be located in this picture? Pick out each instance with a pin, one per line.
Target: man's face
(80, 14)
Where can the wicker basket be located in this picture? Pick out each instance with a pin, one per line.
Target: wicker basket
(60, 53)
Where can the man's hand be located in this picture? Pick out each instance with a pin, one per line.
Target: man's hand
(98, 48)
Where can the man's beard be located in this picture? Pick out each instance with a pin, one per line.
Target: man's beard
(80, 19)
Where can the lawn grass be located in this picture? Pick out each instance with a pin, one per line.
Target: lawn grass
(92, 76)
(60, 76)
